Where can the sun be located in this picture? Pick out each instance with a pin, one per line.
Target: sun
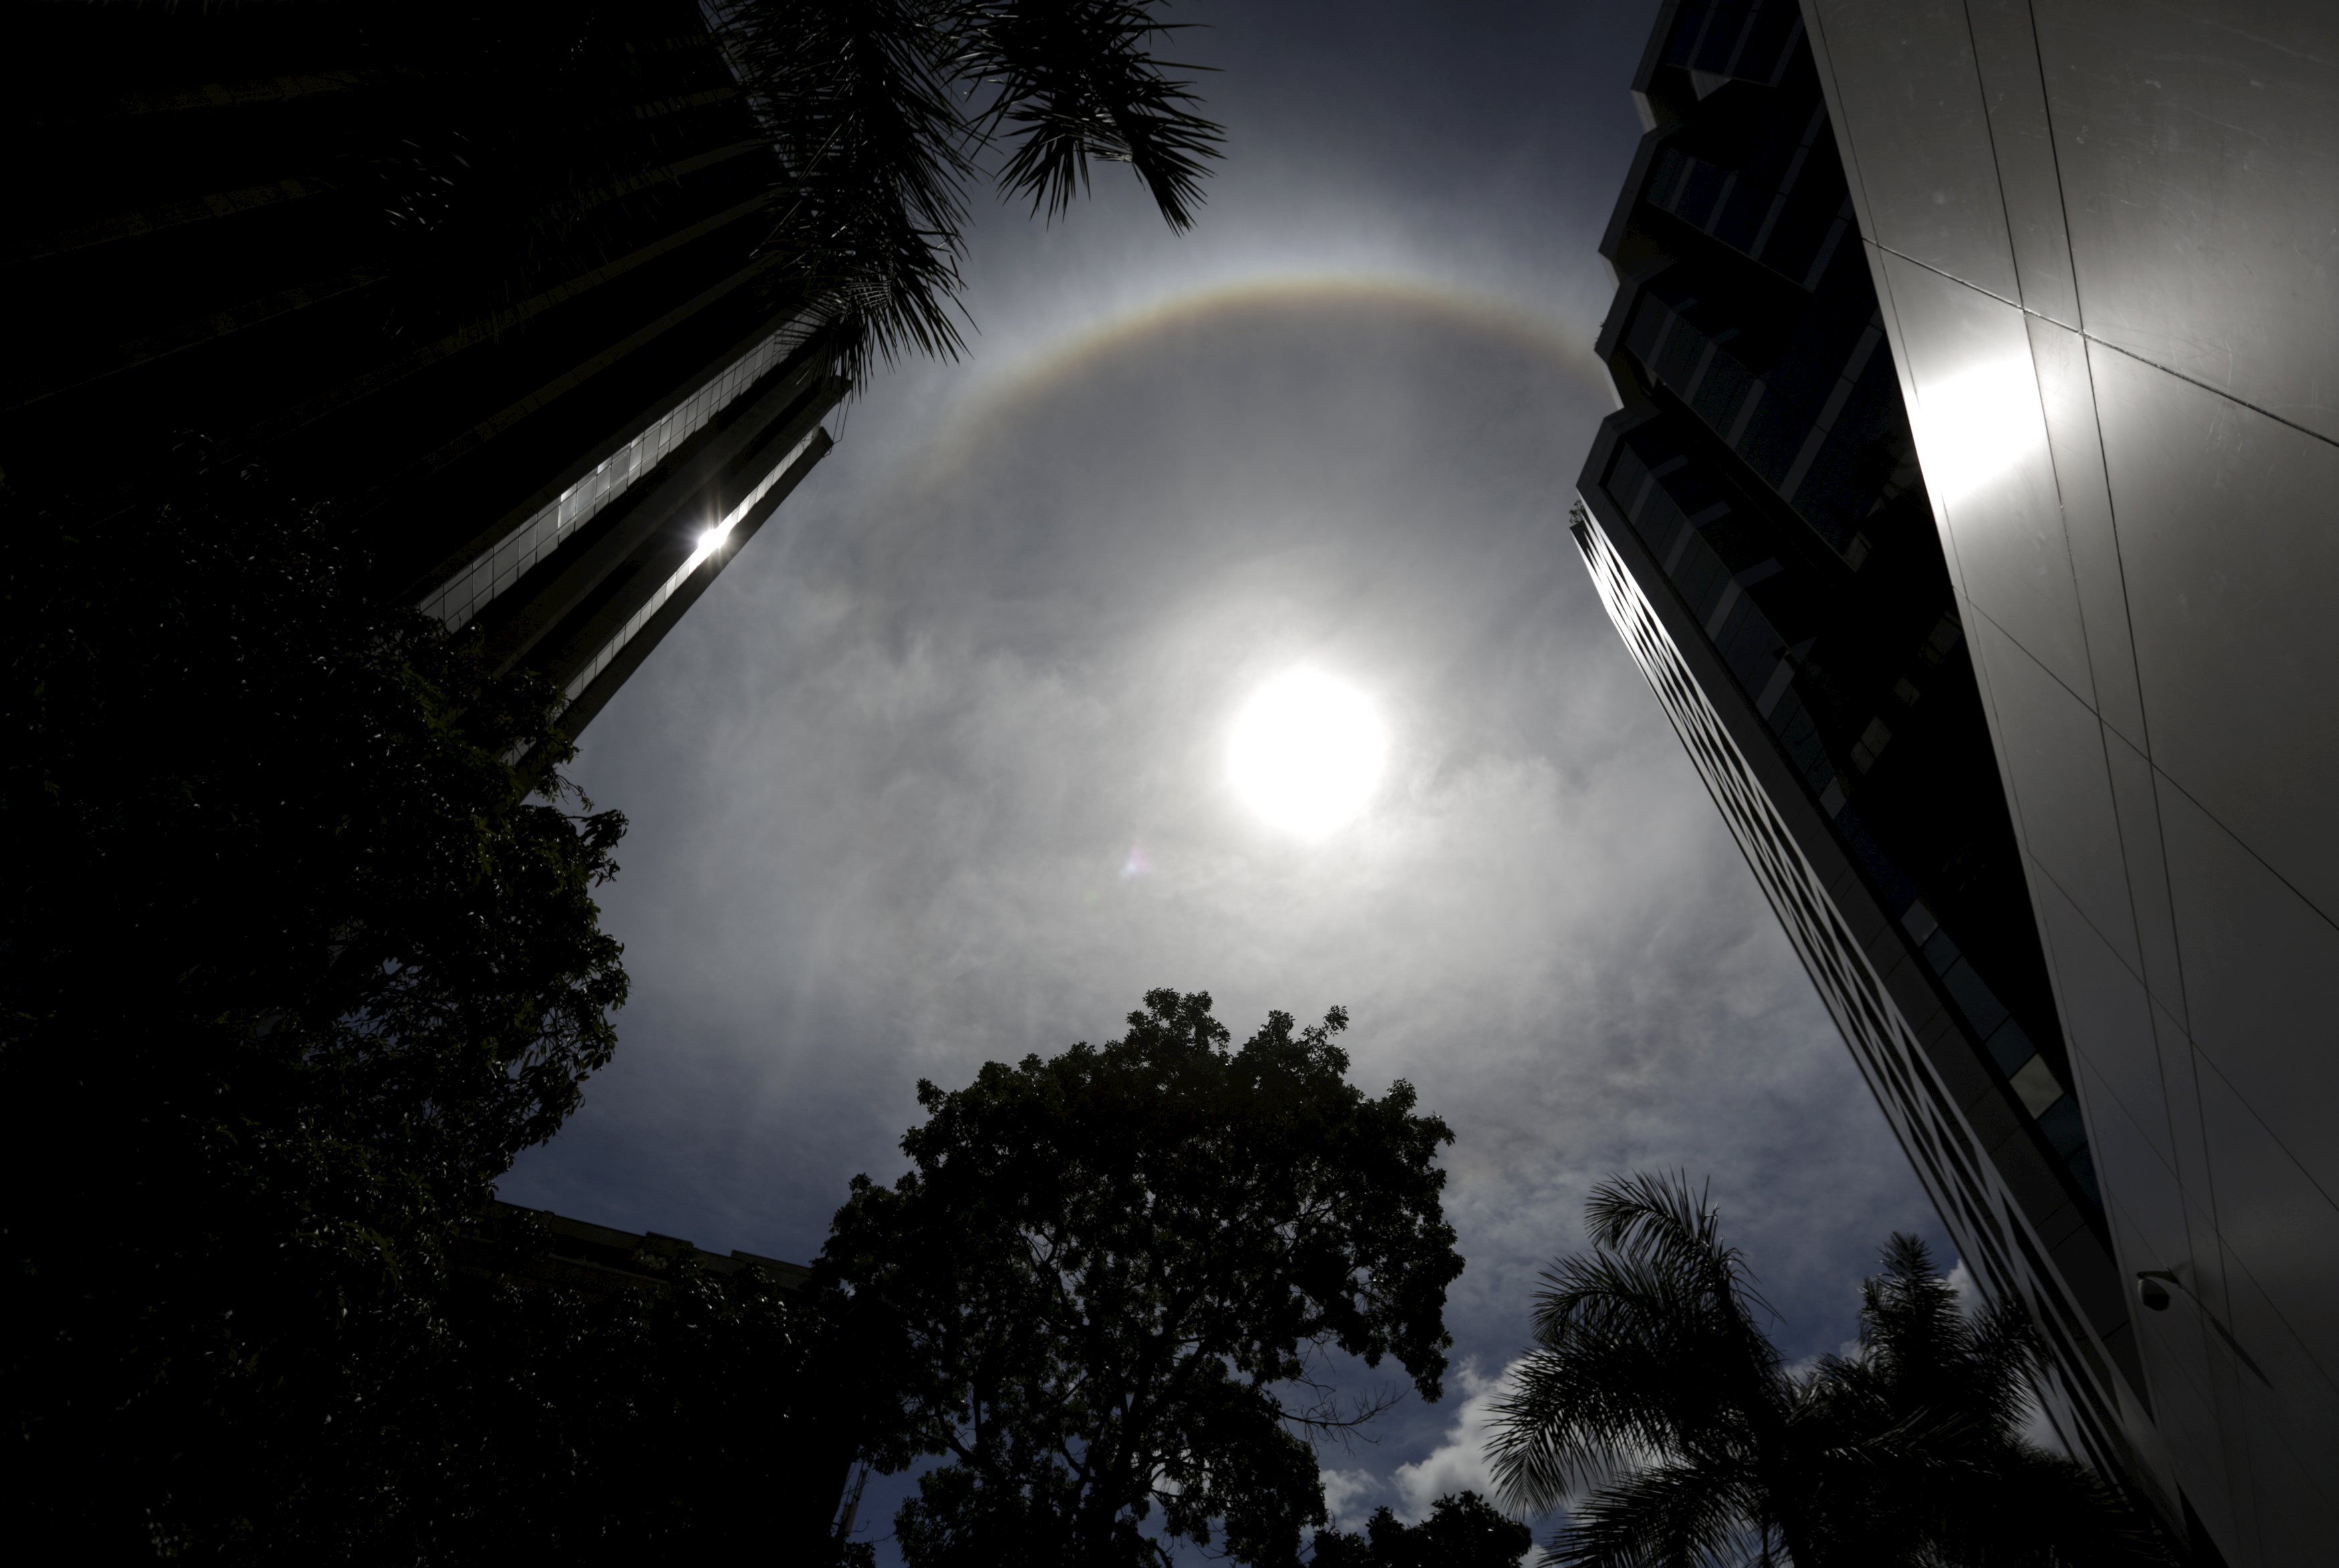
(1307, 752)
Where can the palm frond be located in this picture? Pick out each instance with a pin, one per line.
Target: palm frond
(1668, 1517)
(881, 113)
(1570, 1422)
(2006, 1360)
(1660, 1218)
(1646, 1350)
(1074, 81)
(873, 155)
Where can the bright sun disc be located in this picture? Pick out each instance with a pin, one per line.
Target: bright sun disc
(1307, 752)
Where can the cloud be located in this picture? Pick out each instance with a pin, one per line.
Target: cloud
(1459, 1462)
(1345, 1493)
(1969, 1291)
(1803, 1366)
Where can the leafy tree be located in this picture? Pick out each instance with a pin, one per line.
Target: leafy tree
(293, 964)
(885, 113)
(1657, 1410)
(1104, 1288)
(1463, 1531)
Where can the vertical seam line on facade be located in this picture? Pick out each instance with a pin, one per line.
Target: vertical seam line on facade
(2054, 157)
(2143, 710)
(1989, 135)
(2006, 215)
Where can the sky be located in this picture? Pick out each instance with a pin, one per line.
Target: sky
(936, 773)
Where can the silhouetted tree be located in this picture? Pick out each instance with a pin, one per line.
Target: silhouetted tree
(1463, 1531)
(1101, 1292)
(293, 964)
(1656, 1409)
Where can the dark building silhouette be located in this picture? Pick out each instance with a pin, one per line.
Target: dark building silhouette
(1757, 523)
(1969, 510)
(798, 1457)
(598, 1261)
(485, 277)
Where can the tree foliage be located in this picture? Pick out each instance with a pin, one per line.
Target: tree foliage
(1463, 1531)
(1103, 1291)
(885, 113)
(293, 964)
(1655, 1408)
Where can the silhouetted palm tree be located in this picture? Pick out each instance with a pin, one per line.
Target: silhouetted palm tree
(1658, 1412)
(1937, 1399)
(883, 113)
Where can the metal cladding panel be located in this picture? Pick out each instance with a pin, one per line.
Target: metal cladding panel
(2200, 171)
(2121, 389)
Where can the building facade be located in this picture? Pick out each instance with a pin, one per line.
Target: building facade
(2101, 238)
(484, 279)
(1988, 625)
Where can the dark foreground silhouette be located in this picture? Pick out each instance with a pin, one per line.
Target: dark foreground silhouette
(1656, 1409)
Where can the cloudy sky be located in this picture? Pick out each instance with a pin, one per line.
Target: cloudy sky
(936, 773)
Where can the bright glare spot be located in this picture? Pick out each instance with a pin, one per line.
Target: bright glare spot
(1977, 425)
(710, 538)
(1307, 752)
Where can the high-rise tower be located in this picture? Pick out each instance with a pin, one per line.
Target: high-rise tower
(485, 277)
(2101, 234)
(1969, 584)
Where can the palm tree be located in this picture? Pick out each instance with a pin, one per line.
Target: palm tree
(883, 113)
(1937, 1398)
(1654, 1388)
(1656, 1409)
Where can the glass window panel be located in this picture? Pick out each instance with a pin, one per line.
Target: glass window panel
(2010, 1048)
(2082, 1166)
(2063, 1128)
(1974, 998)
(1941, 951)
(2035, 1082)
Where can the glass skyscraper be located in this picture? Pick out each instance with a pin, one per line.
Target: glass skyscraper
(1968, 511)
(488, 280)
